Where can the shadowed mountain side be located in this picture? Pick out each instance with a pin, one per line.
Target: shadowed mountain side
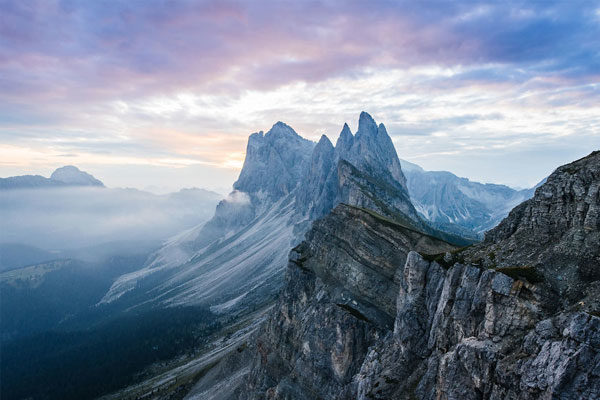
(236, 260)
(367, 314)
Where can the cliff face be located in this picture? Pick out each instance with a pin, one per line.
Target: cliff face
(339, 299)
(468, 333)
(554, 236)
(369, 311)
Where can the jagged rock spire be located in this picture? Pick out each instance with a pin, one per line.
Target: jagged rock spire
(274, 162)
(371, 147)
(366, 125)
(345, 140)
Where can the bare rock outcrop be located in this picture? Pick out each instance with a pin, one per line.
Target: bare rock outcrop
(339, 299)
(375, 309)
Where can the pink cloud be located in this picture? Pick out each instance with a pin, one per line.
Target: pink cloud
(84, 51)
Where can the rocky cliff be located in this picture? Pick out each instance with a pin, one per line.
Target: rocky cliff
(339, 299)
(369, 311)
(555, 236)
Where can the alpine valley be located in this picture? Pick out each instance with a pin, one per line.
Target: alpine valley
(332, 272)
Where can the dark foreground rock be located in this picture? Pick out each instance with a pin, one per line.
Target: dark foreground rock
(376, 310)
(339, 300)
(554, 238)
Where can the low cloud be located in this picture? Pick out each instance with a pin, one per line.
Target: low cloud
(67, 218)
(238, 198)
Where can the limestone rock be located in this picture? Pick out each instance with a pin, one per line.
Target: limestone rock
(372, 309)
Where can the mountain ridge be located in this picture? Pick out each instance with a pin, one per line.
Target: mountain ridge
(450, 325)
(68, 175)
(310, 180)
(460, 205)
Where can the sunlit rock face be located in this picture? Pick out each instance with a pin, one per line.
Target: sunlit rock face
(369, 311)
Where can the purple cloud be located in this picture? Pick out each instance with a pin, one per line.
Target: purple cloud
(81, 50)
(91, 77)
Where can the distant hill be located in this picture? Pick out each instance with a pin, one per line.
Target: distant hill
(458, 205)
(65, 176)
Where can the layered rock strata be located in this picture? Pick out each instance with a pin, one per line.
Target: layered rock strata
(372, 309)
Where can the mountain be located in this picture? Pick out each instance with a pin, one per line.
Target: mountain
(459, 205)
(362, 170)
(73, 176)
(28, 181)
(555, 236)
(370, 311)
(373, 302)
(64, 176)
(239, 251)
(235, 261)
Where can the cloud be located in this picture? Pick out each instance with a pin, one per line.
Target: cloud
(238, 198)
(176, 83)
(82, 50)
(63, 218)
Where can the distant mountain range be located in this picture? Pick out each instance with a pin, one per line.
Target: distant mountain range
(65, 176)
(459, 205)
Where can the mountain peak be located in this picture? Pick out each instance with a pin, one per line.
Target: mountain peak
(556, 232)
(345, 140)
(281, 130)
(274, 162)
(72, 175)
(372, 147)
(366, 125)
(324, 141)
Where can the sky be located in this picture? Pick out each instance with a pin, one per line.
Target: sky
(163, 94)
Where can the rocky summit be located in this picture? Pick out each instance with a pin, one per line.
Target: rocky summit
(237, 260)
(375, 309)
(72, 175)
(554, 237)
